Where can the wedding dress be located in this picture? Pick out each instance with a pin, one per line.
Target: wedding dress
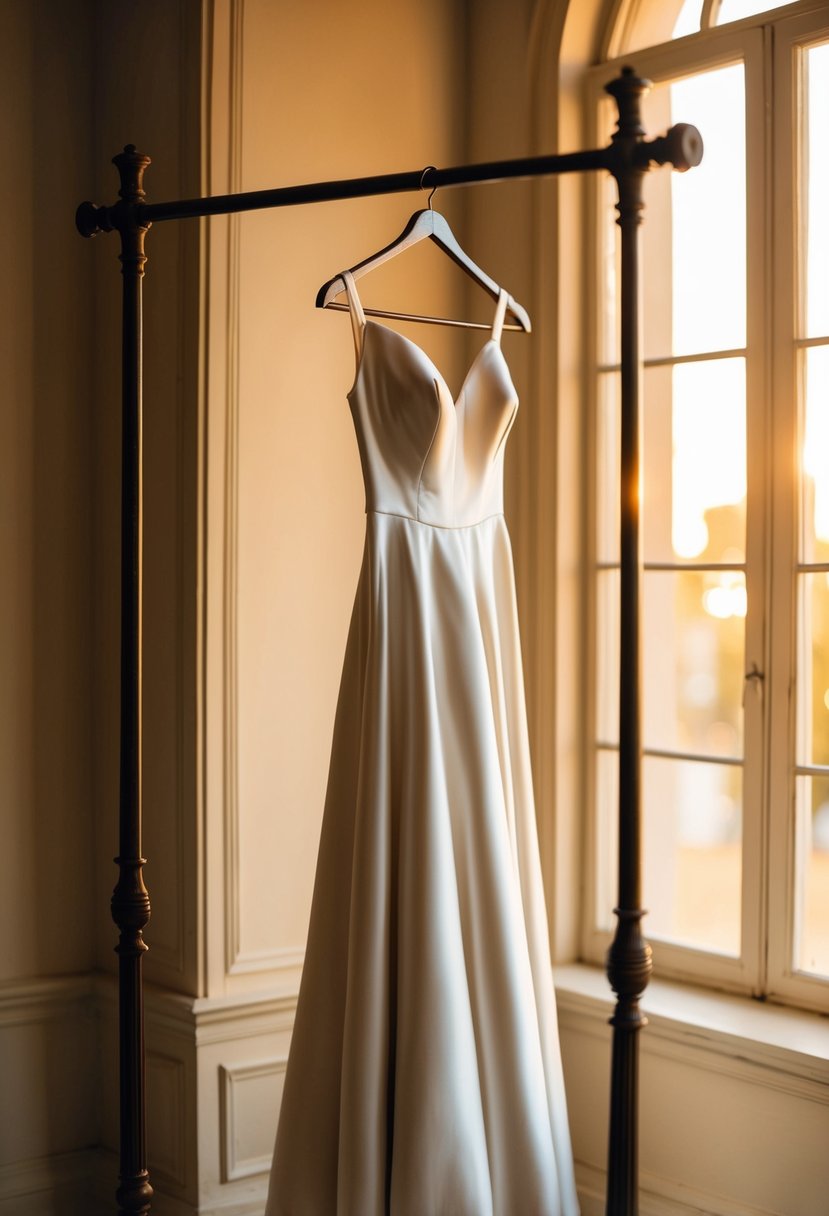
(424, 1076)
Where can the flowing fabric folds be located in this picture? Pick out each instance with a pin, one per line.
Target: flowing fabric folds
(424, 1076)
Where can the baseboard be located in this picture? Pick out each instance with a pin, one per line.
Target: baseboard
(167, 1205)
(659, 1197)
(49, 1067)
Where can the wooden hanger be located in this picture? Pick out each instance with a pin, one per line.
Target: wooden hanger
(431, 224)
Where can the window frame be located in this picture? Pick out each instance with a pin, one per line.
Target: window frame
(792, 35)
(767, 906)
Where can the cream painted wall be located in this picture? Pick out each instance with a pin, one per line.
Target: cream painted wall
(307, 93)
(46, 894)
(71, 90)
(45, 551)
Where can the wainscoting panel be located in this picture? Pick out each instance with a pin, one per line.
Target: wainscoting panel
(48, 1066)
(250, 1093)
(242, 1052)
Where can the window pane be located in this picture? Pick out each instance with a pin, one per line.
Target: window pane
(815, 191)
(695, 462)
(813, 670)
(607, 468)
(693, 662)
(657, 460)
(650, 24)
(815, 483)
(688, 20)
(607, 837)
(699, 305)
(692, 853)
(607, 656)
(736, 10)
(812, 875)
(610, 252)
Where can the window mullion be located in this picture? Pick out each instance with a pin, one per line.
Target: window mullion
(757, 692)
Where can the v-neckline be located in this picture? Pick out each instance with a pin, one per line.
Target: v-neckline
(456, 401)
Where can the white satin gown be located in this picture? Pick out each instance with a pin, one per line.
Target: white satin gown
(424, 1076)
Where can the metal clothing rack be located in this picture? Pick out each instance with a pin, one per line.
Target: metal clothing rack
(627, 158)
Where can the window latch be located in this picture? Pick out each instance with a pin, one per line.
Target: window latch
(754, 680)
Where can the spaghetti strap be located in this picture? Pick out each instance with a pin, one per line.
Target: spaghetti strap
(355, 308)
(500, 313)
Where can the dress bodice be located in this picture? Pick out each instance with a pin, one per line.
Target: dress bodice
(424, 455)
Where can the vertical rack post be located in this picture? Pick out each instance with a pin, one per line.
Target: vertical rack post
(629, 956)
(130, 900)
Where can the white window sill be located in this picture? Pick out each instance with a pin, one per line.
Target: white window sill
(681, 1016)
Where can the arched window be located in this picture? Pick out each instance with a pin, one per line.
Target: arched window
(736, 500)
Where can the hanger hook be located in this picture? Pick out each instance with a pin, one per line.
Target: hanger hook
(422, 187)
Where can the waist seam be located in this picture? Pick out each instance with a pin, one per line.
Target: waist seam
(422, 523)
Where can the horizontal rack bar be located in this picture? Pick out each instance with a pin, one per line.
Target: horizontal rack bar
(385, 183)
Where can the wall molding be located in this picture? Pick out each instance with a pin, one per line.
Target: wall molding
(237, 960)
(232, 1080)
(201, 1021)
(284, 959)
(230, 552)
(25, 1001)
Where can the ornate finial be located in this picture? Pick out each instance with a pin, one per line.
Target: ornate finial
(91, 219)
(131, 165)
(628, 91)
